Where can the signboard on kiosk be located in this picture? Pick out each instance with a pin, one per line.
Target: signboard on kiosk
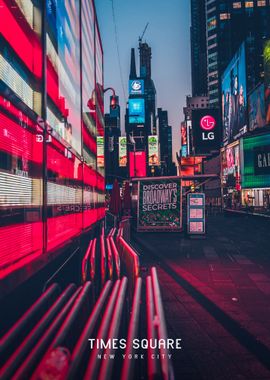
(196, 214)
(159, 205)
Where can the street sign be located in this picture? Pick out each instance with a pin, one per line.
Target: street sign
(196, 214)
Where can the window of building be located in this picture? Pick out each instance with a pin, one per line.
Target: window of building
(212, 23)
(224, 16)
(237, 5)
(261, 3)
(249, 4)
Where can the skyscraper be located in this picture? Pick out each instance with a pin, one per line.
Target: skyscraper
(228, 24)
(198, 48)
(140, 117)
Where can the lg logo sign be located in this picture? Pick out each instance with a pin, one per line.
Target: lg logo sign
(207, 124)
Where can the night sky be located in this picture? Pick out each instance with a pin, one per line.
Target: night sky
(167, 34)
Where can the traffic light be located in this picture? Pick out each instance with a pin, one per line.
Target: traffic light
(192, 188)
(114, 102)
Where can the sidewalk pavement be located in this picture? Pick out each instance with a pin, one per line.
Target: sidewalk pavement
(231, 267)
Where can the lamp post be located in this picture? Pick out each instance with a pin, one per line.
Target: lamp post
(92, 101)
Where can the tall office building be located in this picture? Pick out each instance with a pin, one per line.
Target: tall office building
(167, 166)
(228, 24)
(111, 146)
(198, 48)
(140, 118)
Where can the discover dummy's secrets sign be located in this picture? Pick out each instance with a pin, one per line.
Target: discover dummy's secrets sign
(159, 205)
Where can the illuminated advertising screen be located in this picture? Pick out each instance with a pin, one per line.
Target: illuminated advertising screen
(100, 151)
(63, 76)
(122, 146)
(230, 160)
(183, 139)
(206, 130)
(136, 87)
(137, 164)
(183, 134)
(184, 151)
(256, 108)
(266, 59)
(153, 151)
(255, 162)
(136, 111)
(159, 206)
(234, 98)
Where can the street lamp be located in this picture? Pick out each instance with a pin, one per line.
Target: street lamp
(92, 101)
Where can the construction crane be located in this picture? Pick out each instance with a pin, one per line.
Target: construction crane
(141, 37)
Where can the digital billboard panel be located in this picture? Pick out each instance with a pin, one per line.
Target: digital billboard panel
(266, 59)
(63, 76)
(136, 111)
(230, 161)
(255, 162)
(234, 98)
(122, 151)
(256, 108)
(159, 205)
(136, 87)
(137, 164)
(100, 151)
(153, 150)
(183, 139)
(206, 130)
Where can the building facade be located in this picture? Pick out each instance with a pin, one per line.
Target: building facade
(228, 24)
(198, 48)
(51, 114)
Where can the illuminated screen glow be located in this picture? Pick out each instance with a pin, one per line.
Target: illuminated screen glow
(137, 165)
(255, 166)
(74, 187)
(234, 98)
(63, 52)
(136, 111)
(256, 108)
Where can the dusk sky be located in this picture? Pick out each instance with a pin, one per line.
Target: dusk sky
(167, 34)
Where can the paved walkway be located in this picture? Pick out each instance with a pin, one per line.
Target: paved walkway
(231, 267)
(233, 261)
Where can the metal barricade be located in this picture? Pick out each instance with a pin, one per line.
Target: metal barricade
(166, 366)
(93, 260)
(109, 258)
(27, 344)
(24, 325)
(94, 364)
(130, 264)
(107, 365)
(83, 343)
(29, 364)
(71, 328)
(103, 261)
(116, 258)
(133, 329)
(86, 262)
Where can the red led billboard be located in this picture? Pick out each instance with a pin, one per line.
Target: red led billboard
(139, 162)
